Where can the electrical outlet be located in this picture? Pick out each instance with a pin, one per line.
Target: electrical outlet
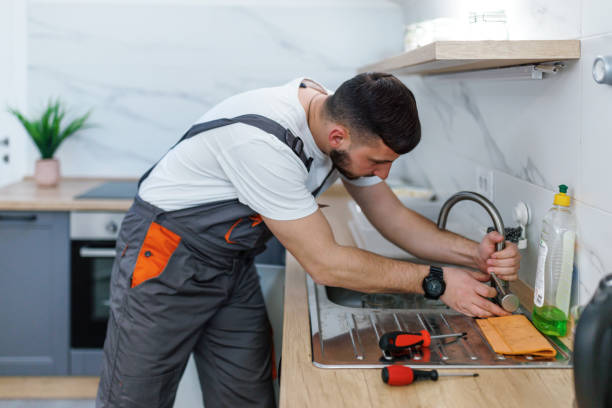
(484, 182)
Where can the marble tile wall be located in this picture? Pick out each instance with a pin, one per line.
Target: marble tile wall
(148, 69)
(526, 19)
(534, 135)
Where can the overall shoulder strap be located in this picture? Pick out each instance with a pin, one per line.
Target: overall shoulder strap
(261, 122)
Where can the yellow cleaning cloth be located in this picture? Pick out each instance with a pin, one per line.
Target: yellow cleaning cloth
(515, 335)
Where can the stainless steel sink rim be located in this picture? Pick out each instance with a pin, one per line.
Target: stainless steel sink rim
(325, 315)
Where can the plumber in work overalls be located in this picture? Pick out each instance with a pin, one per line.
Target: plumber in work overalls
(184, 279)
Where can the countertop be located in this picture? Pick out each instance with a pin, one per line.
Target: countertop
(304, 385)
(26, 196)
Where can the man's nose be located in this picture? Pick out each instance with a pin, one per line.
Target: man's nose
(382, 171)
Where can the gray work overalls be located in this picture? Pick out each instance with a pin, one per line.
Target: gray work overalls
(185, 281)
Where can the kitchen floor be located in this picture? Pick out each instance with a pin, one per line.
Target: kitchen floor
(80, 392)
(47, 403)
(47, 391)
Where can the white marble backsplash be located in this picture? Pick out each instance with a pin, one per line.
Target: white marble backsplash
(149, 69)
(525, 19)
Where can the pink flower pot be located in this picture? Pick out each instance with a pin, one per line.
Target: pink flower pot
(47, 172)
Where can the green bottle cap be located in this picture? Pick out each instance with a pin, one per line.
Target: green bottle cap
(562, 198)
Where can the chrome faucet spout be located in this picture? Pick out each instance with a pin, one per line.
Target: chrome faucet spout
(506, 300)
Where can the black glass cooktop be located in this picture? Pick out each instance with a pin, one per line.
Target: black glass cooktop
(112, 190)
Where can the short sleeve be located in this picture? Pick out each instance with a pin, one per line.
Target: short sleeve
(268, 176)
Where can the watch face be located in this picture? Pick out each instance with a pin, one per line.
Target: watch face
(434, 287)
(433, 284)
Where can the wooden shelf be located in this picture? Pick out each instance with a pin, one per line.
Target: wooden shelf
(455, 56)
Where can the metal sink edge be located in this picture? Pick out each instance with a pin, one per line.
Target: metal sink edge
(347, 337)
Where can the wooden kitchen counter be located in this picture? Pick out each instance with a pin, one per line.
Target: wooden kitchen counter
(26, 196)
(304, 385)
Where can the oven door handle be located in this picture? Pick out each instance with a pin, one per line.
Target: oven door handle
(90, 252)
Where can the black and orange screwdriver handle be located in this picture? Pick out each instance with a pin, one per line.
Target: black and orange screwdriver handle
(403, 375)
(399, 340)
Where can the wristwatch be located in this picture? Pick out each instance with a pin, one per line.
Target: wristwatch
(433, 284)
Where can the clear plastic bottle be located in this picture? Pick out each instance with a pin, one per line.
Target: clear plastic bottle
(552, 292)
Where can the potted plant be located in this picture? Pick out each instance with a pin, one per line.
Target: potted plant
(47, 133)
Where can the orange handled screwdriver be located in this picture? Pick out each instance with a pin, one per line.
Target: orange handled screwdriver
(400, 341)
(403, 375)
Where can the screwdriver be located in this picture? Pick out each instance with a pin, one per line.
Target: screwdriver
(399, 340)
(404, 375)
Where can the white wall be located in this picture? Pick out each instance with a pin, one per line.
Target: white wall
(534, 135)
(148, 69)
(527, 19)
(13, 53)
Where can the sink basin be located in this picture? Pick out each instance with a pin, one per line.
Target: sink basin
(351, 298)
(346, 326)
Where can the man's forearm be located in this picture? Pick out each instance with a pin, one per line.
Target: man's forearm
(411, 231)
(422, 238)
(364, 271)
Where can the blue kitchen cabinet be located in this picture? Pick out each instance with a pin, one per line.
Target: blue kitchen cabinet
(34, 293)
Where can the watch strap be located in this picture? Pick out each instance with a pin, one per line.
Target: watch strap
(436, 271)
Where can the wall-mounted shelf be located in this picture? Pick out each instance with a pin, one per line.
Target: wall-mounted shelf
(456, 56)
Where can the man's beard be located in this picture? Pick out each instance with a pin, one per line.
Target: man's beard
(341, 161)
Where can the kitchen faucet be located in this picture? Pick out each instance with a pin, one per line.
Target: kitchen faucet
(508, 301)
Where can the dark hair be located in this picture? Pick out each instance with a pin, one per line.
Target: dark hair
(377, 103)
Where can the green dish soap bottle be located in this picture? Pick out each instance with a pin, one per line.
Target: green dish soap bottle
(553, 284)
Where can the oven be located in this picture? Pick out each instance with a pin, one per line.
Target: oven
(92, 241)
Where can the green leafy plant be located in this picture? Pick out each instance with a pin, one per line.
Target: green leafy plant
(47, 131)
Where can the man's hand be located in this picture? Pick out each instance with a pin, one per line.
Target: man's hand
(505, 263)
(466, 293)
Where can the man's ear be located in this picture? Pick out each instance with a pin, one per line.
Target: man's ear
(339, 137)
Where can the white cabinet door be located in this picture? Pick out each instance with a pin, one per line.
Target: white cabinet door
(12, 88)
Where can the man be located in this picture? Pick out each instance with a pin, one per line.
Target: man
(184, 279)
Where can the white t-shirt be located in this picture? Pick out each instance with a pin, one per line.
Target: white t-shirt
(241, 161)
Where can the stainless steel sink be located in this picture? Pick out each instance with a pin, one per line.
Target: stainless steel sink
(346, 326)
(351, 298)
